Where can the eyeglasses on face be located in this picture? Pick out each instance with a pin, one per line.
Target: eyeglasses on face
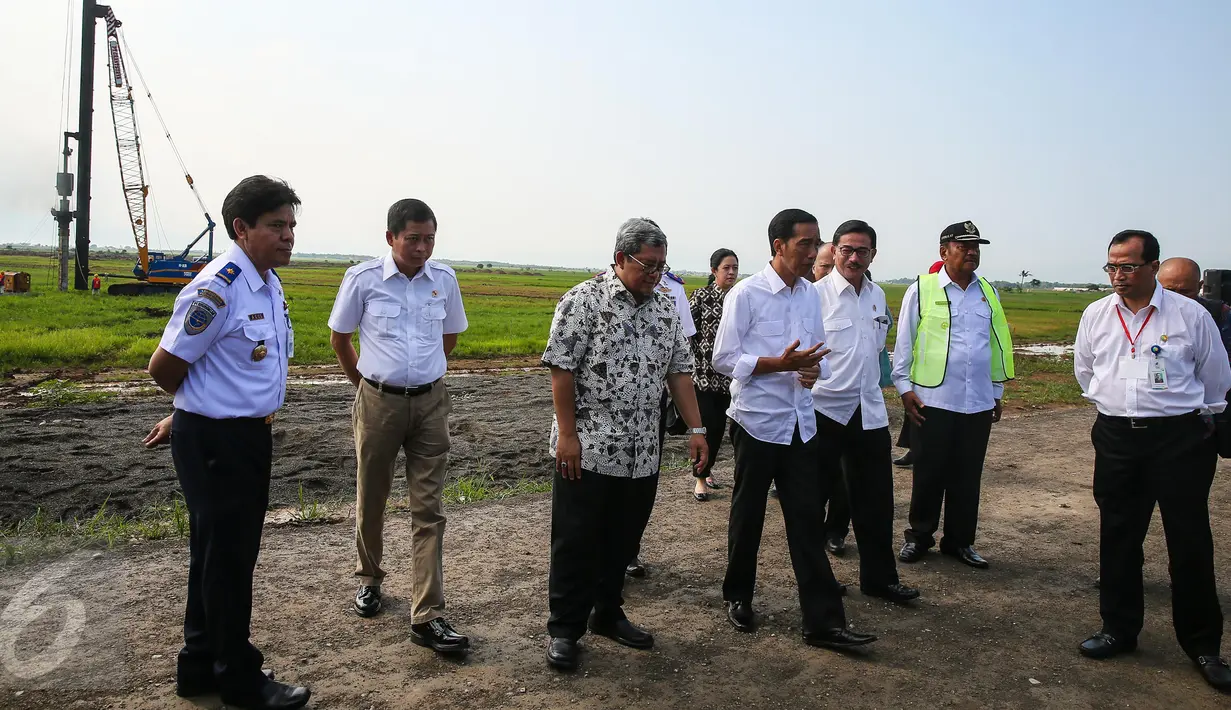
(650, 268)
(1122, 268)
(848, 252)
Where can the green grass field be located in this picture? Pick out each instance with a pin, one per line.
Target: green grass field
(509, 314)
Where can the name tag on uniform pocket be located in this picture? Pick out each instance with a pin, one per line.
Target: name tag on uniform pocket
(1133, 368)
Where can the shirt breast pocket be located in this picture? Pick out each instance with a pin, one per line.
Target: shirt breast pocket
(433, 316)
(770, 329)
(256, 346)
(382, 318)
(841, 334)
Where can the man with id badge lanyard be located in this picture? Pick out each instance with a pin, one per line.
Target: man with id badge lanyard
(1152, 363)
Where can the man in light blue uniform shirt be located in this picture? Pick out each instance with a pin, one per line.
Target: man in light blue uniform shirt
(224, 356)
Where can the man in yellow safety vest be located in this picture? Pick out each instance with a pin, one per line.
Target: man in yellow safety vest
(952, 359)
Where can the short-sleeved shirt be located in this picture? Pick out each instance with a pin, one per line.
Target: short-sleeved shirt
(233, 328)
(401, 320)
(620, 353)
(673, 286)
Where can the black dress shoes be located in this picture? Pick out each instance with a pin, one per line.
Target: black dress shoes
(1103, 645)
(190, 684)
(367, 601)
(635, 568)
(623, 632)
(839, 638)
(911, 552)
(906, 459)
(270, 696)
(1215, 671)
(967, 556)
(563, 653)
(741, 617)
(439, 636)
(896, 593)
(836, 546)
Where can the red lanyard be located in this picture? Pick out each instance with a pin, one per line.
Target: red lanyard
(1132, 342)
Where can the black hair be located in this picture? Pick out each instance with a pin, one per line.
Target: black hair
(782, 226)
(716, 261)
(409, 210)
(253, 197)
(1149, 244)
(854, 226)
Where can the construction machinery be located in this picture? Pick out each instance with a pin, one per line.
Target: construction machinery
(156, 272)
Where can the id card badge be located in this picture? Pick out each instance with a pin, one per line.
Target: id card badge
(1158, 374)
(1131, 368)
(290, 341)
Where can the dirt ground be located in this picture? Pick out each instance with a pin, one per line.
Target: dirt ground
(71, 460)
(109, 623)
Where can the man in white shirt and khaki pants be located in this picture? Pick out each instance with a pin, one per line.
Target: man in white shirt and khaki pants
(852, 425)
(408, 310)
(1154, 366)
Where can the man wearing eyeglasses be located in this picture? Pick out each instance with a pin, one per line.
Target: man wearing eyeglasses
(1152, 362)
(952, 359)
(614, 341)
(851, 421)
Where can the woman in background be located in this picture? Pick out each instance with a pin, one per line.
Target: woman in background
(713, 389)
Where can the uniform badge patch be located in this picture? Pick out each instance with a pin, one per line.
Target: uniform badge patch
(256, 316)
(229, 272)
(200, 315)
(210, 295)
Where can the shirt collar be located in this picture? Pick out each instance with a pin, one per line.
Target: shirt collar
(839, 283)
(945, 280)
(390, 268)
(251, 276)
(775, 281)
(1156, 299)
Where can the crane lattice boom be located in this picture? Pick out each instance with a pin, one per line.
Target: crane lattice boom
(127, 140)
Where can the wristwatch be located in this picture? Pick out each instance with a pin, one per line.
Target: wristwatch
(698, 430)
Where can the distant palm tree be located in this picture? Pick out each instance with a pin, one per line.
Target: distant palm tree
(1022, 284)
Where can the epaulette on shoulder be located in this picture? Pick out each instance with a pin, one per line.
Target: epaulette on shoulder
(229, 273)
(366, 265)
(442, 267)
(674, 278)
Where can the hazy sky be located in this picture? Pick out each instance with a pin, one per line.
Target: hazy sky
(534, 128)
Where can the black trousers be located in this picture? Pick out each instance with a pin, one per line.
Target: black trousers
(1170, 461)
(223, 467)
(868, 483)
(904, 435)
(713, 406)
(793, 468)
(949, 450)
(835, 501)
(596, 526)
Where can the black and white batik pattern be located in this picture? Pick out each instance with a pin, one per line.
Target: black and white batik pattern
(620, 353)
(706, 304)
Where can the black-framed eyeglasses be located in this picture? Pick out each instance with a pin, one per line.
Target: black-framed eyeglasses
(650, 268)
(848, 251)
(1122, 268)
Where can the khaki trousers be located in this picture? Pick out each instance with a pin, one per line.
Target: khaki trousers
(383, 424)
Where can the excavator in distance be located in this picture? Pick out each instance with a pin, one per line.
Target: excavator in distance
(155, 272)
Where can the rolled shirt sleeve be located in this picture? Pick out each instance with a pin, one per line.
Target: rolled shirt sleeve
(1212, 367)
(455, 312)
(347, 306)
(729, 358)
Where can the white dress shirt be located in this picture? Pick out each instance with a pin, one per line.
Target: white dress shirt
(221, 322)
(402, 322)
(1190, 351)
(675, 290)
(967, 387)
(760, 318)
(856, 325)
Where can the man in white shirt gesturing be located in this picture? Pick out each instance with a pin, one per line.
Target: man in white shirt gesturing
(952, 359)
(1154, 366)
(851, 422)
(770, 342)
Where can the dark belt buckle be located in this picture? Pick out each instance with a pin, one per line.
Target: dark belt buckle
(1135, 423)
